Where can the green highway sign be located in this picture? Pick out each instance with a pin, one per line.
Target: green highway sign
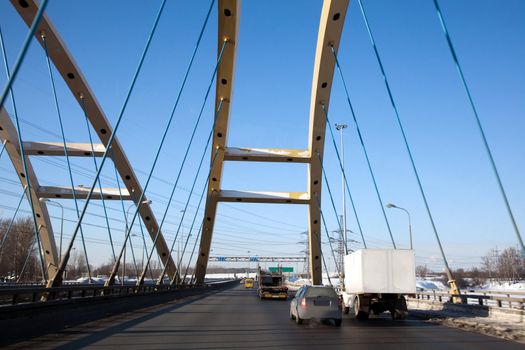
(283, 269)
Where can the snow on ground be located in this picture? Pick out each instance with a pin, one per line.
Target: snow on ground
(505, 286)
(425, 284)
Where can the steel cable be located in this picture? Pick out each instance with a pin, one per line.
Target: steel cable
(363, 145)
(480, 127)
(401, 128)
(347, 186)
(10, 78)
(66, 152)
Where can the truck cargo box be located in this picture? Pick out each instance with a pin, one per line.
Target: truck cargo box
(380, 271)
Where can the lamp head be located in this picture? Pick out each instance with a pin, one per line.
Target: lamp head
(390, 205)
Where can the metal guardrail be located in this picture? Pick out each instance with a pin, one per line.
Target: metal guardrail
(506, 300)
(27, 295)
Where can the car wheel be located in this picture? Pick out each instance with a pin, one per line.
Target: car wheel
(337, 322)
(291, 315)
(346, 310)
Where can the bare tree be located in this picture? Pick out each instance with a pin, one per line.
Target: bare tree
(421, 271)
(19, 251)
(511, 264)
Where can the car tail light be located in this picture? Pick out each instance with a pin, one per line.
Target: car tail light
(303, 302)
(340, 302)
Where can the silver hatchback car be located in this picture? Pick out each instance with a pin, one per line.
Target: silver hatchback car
(316, 302)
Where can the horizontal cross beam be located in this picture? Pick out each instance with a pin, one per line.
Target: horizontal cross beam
(82, 192)
(57, 149)
(267, 155)
(263, 197)
(258, 258)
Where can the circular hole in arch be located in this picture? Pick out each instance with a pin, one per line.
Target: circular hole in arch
(315, 221)
(103, 131)
(289, 159)
(202, 254)
(239, 199)
(58, 196)
(316, 182)
(336, 16)
(23, 3)
(219, 134)
(288, 201)
(1, 128)
(213, 179)
(245, 158)
(22, 174)
(224, 81)
(318, 138)
(163, 254)
(208, 218)
(109, 197)
(87, 153)
(48, 252)
(147, 218)
(324, 84)
(316, 257)
(70, 75)
(39, 152)
(227, 12)
(37, 215)
(127, 177)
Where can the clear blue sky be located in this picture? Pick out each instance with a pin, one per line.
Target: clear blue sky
(270, 109)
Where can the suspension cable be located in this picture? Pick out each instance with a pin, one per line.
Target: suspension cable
(187, 151)
(66, 152)
(63, 262)
(329, 190)
(480, 126)
(166, 129)
(191, 256)
(30, 251)
(185, 208)
(344, 177)
(339, 69)
(84, 109)
(10, 78)
(190, 142)
(126, 221)
(326, 269)
(405, 139)
(145, 250)
(12, 221)
(202, 193)
(326, 231)
(3, 148)
(23, 51)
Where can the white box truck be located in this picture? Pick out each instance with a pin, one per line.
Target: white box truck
(376, 280)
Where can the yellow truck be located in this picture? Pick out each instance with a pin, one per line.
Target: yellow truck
(271, 286)
(248, 283)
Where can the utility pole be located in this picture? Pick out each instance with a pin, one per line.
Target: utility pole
(341, 127)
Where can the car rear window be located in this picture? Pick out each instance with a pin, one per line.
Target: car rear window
(321, 292)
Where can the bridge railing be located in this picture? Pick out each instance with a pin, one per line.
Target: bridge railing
(29, 294)
(499, 299)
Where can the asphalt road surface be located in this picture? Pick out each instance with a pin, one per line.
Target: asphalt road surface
(236, 319)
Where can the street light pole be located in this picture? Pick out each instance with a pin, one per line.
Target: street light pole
(341, 127)
(42, 200)
(390, 205)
